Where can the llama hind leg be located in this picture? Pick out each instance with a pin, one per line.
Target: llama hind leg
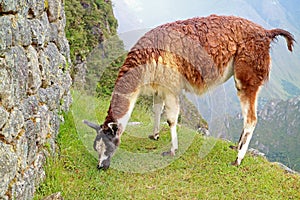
(172, 112)
(158, 105)
(248, 101)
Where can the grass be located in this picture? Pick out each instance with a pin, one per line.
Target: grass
(201, 170)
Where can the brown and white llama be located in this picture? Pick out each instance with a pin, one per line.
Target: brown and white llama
(192, 55)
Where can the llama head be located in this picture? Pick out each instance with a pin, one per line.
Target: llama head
(105, 143)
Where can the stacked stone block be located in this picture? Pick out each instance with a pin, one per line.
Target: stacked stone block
(34, 90)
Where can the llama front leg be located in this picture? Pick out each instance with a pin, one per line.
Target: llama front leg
(158, 105)
(172, 112)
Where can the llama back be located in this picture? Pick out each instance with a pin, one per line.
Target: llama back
(199, 49)
(196, 55)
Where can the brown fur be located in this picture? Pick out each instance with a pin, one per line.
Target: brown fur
(195, 55)
(200, 49)
(221, 37)
(120, 104)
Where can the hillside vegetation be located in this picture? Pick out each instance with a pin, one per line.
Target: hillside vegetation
(189, 175)
(95, 49)
(88, 23)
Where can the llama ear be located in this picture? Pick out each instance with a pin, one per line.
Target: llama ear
(92, 125)
(114, 127)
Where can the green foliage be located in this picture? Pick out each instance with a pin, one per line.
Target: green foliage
(73, 171)
(103, 65)
(91, 31)
(113, 56)
(88, 23)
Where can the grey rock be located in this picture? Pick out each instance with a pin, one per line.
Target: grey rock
(30, 107)
(60, 24)
(34, 88)
(18, 188)
(6, 88)
(3, 197)
(55, 196)
(42, 95)
(54, 124)
(46, 27)
(203, 131)
(8, 166)
(51, 60)
(37, 34)
(256, 152)
(63, 19)
(63, 46)
(50, 96)
(44, 67)
(53, 97)
(66, 102)
(40, 30)
(16, 61)
(14, 125)
(20, 70)
(31, 133)
(14, 30)
(64, 81)
(16, 38)
(24, 31)
(22, 152)
(54, 10)
(24, 186)
(3, 116)
(57, 60)
(39, 167)
(42, 125)
(9, 6)
(5, 32)
(53, 32)
(35, 8)
(34, 73)
(287, 169)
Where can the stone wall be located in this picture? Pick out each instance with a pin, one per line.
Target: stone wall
(34, 90)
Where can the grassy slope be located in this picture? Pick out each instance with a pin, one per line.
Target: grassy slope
(73, 172)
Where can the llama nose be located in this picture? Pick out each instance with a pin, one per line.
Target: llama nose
(102, 167)
(99, 167)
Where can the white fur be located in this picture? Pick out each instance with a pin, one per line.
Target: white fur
(124, 120)
(100, 146)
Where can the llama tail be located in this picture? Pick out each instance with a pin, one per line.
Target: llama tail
(288, 36)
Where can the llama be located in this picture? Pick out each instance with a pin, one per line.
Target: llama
(193, 55)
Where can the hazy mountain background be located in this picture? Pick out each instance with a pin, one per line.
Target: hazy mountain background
(221, 107)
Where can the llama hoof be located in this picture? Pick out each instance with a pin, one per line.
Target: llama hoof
(153, 137)
(233, 147)
(235, 163)
(168, 153)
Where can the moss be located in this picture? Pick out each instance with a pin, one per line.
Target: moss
(46, 4)
(86, 25)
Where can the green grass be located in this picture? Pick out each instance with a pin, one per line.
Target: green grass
(201, 170)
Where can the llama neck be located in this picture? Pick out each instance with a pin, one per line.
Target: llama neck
(120, 109)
